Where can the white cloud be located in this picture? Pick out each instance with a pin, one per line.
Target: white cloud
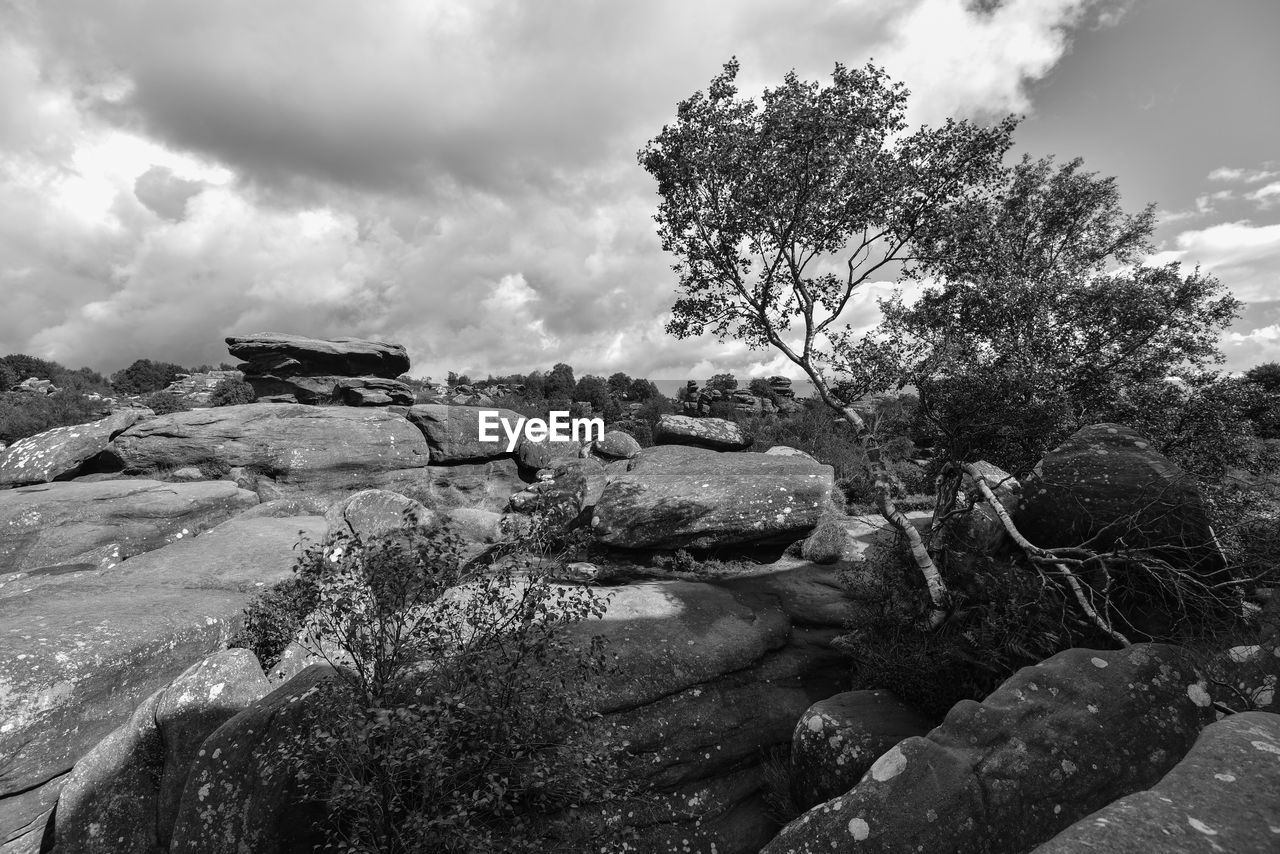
(1266, 196)
(1245, 257)
(457, 176)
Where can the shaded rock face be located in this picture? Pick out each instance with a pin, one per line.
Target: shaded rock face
(295, 355)
(244, 792)
(1108, 487)
(315, 390)
(837, 740)
(80, 650)
(453, 432)
(569, 488)
(59, 453)
(488, 485)
(535, 456)
(305, 448)
(57, 527)
(1053, 743)
(701, 499)
(122, 797)
(714, 433)
(1221, 797)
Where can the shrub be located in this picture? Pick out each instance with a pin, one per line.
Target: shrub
(232, 392)
(470, 729)
(145, 376)
(164, 402)
(23, 414)
(274, 617)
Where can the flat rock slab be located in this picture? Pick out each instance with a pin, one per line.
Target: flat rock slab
(80, 653)
(702, 499)
(1224, 796)
(60, 452)
(715, 433)
(453, 432)
(304, 448)
(48, 526)
(291, 355)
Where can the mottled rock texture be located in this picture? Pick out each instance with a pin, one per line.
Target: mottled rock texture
(303, 448)
(80, 650)
(453, 432)
(701, 499)
(46, 528)
(1052, 744)
(59, 453)
(714, 433)
(1223, 797)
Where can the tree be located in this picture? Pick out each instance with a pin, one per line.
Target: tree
(145, 376)
(1042, 315)
(724, 383)
(620, 385)
(779, 212)
(760, 388)
(1266, 375)
(643, 390)
(560, 382)
(593, 390)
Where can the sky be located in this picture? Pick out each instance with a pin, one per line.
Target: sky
(461, 177)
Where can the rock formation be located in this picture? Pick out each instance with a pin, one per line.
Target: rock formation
(317, 370)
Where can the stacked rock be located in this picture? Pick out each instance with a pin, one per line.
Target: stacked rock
(295, 369)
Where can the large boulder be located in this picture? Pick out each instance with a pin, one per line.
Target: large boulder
(1224, 796)
(59, 453)
(122, 797)
(569, 488)
(1108, 487)
(714, 433)
(453, 432)
(373, 513)
(1052, 744)
(534, 456)
(244, 791)
(81, 650)
(696, 498)
(304, 448)
(293, 355)
(837, 739)
(616, 445)
(50, 527)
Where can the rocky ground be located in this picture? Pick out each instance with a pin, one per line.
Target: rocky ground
(129, 547)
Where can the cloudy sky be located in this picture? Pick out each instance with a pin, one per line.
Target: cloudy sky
(460, 177)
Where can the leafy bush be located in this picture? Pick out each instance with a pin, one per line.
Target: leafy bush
(232, 392)
(23, 414)
(470, 729)
(145, 376)
(275, 616)
(165, 402)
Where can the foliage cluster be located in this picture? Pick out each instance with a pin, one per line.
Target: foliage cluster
(471, 727)
(232, 392)
(145, 376)
(23, 415)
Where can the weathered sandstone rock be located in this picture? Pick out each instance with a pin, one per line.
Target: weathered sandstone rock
(453, 432)
(1224, 796)
(48, 527)
(616, 445)
(1052, 744)
(714, 433)
(60, 452)
(697, 498)
(293, 355)
(304, 448)
(81, 650)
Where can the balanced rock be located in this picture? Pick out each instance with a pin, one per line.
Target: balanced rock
(714, 433)
(1223, 796)
(1107, 485)
(60, 452)
(678, 497)
(837, 740)
(285, 355)
(92, 525)
(304, 448)
(1052, 744)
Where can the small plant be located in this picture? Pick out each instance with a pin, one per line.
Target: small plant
(165, 402)
(232, 392)
(471, 728)
(273, 619)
